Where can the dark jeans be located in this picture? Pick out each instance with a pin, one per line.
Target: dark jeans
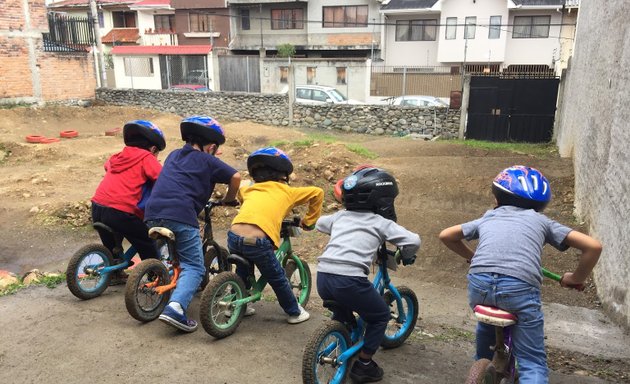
(130, 226)
(263, 256)
(358, 295)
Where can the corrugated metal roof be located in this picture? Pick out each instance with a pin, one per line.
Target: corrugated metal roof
(409, 4)
(121, 35)
(530, 3)
(162, 50)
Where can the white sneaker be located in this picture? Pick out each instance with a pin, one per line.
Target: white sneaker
(302, 317)
(248, 312)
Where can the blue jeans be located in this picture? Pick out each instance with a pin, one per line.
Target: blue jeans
(528, 336)
(359, 295)
(264, 257)
(190, 253)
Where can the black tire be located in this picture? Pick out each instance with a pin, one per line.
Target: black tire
(397, 332)
(301, 287)
(216, 315)
(481, 372)
(214, 264)
(82, 276)
(315, 369)
(144, 304)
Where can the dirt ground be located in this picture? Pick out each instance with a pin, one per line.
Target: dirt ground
(50, 336)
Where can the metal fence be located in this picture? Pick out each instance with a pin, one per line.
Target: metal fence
(430, 81)
(68, 34)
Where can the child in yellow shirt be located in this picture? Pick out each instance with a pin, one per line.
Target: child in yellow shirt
(255, 231)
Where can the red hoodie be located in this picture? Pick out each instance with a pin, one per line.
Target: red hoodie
(126, 173)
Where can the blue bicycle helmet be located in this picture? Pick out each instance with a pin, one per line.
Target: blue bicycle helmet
(203, 127)
(523, 187)
(145, 131)
(269, 158)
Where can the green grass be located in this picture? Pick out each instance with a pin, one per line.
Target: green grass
(278, 143)
(48, 281)
(322, 137)
(361, 151)
(539, 150)
(304, 143)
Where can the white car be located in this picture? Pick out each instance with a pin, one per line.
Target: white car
(416, 101)
(320, 94)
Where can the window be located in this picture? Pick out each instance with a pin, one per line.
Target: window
(164, 23)
(318, 95)
(494, 32)
(200, 22)
(451, 28)
(341, 75)
(138, 66)
(124, 19)
(284, 75)
(416, 30)
(469, 29)
(245, 19)
(531, 27)
(287, 19)
(310, 74)
(345, 16)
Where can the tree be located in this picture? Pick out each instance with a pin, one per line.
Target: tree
(286, 50)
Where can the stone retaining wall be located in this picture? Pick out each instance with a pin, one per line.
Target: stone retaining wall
(273, 109)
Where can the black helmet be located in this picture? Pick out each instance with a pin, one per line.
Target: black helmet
(145, 131)
(370, 189)
(202, 127)
(270, 158)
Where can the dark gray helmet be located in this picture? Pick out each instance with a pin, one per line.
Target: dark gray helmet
(370, 189)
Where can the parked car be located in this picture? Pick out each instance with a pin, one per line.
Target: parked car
(321, 94)
(189, 88)
(416, 101)
(197, 76)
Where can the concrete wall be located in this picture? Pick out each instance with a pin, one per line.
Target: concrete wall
(594, 118)
(28, 74)
(273, 109)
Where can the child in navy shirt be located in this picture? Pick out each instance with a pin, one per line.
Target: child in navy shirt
(180, 193)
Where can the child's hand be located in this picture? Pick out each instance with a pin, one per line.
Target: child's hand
(567, 281)
(306, 227)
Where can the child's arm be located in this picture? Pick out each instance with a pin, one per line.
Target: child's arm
(452, 237)
(314, 196)
(591, 249)
(233, 186)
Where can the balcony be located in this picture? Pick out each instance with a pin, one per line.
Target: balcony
(151, 37)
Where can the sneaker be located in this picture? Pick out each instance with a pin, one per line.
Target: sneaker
(248, 312)
(302, 317)
(366, 373)
(177, 320)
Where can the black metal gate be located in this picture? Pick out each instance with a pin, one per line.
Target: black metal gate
(239, 73)
(509, 109)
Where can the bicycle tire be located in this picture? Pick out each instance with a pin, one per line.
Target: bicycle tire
(78, 281)
(301, 289)
(481, 372)
(401, 330)
(217, 318)
(213, 268)
(144, 304)
(313, 366)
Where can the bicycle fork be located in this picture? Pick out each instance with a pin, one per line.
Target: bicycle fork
(503, 359)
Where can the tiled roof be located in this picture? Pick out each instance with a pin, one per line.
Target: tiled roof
(121, 35)
(409, 4)
(162, 50)
(86, 4)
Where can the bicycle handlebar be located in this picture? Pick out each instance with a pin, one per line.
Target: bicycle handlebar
(558, 278)
(218, 203)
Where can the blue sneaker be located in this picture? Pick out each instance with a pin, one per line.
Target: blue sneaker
(179, 321)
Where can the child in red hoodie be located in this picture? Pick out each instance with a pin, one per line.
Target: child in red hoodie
(119, 199)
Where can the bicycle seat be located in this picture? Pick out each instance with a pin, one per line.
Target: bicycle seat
(156, 232)
(98, 225)
(494, 316)
(240, 260)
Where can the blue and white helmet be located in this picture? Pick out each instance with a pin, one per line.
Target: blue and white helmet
(271, 157)
(204, 127)
(523, 187)
(145, 129)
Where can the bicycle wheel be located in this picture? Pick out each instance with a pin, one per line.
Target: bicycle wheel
(142, 301)
(83, 272)
(215, 262)
(397, 330)
(217, 316)
(481, 372)
(319, 361)
(301, 287)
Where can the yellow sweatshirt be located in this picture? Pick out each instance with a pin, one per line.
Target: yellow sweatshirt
(266, 204)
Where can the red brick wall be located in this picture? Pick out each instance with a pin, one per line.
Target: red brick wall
(61, 76)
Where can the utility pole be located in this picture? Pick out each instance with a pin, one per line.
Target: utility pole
(99, 43)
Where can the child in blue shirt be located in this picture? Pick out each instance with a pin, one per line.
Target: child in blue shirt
(505, 269)
(356, 233)
(180, 193)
